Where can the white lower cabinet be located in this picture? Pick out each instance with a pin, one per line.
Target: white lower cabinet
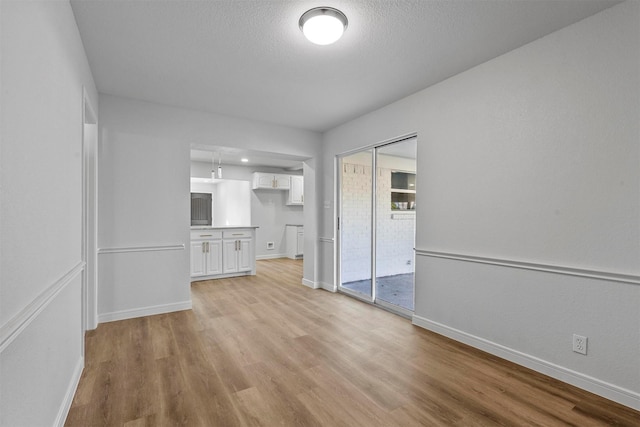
(294, 235)
(237, 256)
(214, 257)
(206, 253)
(222, 253)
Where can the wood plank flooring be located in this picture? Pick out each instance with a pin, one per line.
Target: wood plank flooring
(266, 351)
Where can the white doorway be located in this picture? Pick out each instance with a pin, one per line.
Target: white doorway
(89, 215)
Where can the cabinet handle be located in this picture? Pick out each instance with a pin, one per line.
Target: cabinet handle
(206, 235)
(302, 198)
(207, 247)
(203, 251)
(237, 234)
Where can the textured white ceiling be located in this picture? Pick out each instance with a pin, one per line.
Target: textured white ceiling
(248, 58)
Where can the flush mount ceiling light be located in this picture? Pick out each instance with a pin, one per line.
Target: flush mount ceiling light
(323, 25)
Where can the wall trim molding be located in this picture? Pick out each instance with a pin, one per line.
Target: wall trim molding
(144, 311)
(548, 268)
(18, 323)
(176, 247)
(610, 391)
(63, 412)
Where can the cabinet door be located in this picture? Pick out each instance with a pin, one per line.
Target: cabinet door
(296, 192)
(282, 182)
(245, 254)
(198, 259)
(214, 257)
(261, 180)
(229, 256)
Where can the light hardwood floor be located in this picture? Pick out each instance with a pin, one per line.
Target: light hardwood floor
(265, 350)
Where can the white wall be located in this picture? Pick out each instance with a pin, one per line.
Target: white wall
(269, 211)
(230, 201)
(43, 71)
(532, 157)
(144, 171)
(143, 202)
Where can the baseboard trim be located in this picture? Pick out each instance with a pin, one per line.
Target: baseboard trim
(270, 256)
(18, 323)
(610, 391)
(329, 287)
(63, 412)
(310, 284)
(319, 285)
(144, 311)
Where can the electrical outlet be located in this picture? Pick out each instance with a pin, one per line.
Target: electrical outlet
(579, 344)
(271, 246)
(408, 262)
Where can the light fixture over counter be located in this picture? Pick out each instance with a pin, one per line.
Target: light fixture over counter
(323, 25)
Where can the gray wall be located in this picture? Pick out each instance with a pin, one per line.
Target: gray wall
(145, 167)
(530, 157)
(44, 70)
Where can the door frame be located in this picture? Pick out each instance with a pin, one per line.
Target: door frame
(337, 227)
(89, 242)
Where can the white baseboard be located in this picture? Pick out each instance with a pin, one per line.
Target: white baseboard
(319, 285)
(270, 256)
(144, 311)
(310, 284)
(610, 391)
(71, 392)
(329, 287)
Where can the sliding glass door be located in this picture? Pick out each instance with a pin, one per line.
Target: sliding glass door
(377, 224)
(355, 224)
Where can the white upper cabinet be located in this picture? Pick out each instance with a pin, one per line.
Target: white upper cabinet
(272, 181)
(296, 190)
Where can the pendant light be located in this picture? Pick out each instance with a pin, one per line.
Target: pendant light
(323, 25)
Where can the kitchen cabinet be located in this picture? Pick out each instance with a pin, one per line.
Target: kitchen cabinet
(222, 252)
(206, 253)
(237, 251)
(296, 190)
(271, 181)
(294, 235)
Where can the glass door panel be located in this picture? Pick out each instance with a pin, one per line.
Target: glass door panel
(355, 223)
(395, 224)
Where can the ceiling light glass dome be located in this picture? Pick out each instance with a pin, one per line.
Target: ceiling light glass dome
(323, 25)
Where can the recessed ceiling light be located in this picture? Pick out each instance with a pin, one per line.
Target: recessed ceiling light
(244, 160)
(323, 25)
